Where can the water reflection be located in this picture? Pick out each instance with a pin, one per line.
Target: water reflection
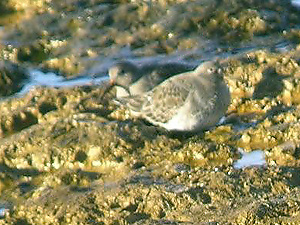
(296, 3)
(50, 79)
(254, 158)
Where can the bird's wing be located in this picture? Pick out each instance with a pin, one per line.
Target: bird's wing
(163, 102)
(165, 71)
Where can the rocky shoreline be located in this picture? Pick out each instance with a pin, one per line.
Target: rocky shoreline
(70, 157)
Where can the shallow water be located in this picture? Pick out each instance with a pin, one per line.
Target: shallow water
(50, 79)
(255, 158)
(296, 3)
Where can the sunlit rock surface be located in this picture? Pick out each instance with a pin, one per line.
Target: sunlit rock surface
(70, 156)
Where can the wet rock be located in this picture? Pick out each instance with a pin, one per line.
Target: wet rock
(159, 27)
(8, 6)
(37, 52)
(12, 77)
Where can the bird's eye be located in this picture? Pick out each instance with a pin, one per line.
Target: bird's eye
(211, 70)
(123, 72)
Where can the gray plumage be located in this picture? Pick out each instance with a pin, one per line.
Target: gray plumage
(190, 101)
(135, 80)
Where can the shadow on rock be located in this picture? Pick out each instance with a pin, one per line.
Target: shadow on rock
(17, 173)
(11, 78)
(270, 85)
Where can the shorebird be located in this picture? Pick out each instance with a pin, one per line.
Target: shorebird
(190, 101)
(130, 79)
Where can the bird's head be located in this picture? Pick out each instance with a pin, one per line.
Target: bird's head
(123, 74)
(209, 67)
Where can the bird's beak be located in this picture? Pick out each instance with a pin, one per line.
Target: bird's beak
(113, 73)
(108, 87)
(112, 82)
